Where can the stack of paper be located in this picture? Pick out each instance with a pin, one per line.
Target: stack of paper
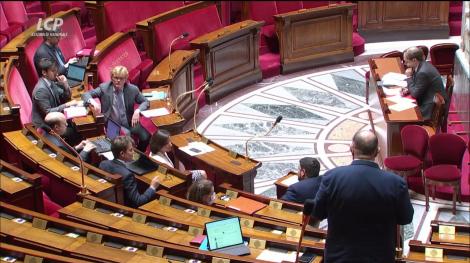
(72, 112)
(196, 148)
(394, 79)
(401, 103)
(391, 92)
(291, 180)
(277, 255)
(155, 112)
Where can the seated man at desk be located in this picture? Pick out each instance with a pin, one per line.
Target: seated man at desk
(423, 81)
(122, 148)
(52, 94)
(160, 145)
(309, 181)
(117, 99)
(201, 191)
(57, 123)
(50, 49)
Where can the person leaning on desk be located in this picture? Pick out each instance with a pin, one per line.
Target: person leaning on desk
(423, 81)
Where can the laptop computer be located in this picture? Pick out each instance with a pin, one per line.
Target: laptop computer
(142, 165)
(104, 144)
(75, 75)
(225, 236)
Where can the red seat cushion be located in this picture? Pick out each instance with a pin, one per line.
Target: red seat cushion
(402, 163)
(51, 208)
(145, 68)
(443, 172)
(358, 44)
(3, 41)
(270, 64)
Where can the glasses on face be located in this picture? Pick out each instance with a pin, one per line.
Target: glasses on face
(118, 78)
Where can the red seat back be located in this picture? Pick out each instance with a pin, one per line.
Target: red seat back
(15, 12)
(29, 72)
(447, 148)
(196, 23)
(313, 4)
(3, 20)
(288, 6)
(125, 54)
(262, 11)
(19, 95)
(442, 56)
(414, 139)
(73, 40)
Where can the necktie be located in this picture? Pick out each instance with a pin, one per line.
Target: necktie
(121, 108)
(59, 58)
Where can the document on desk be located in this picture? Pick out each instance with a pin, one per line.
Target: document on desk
(291, 180)
(196, 148)
(391, 91)
(155, 95)
(72, 112)
(394, 79)
(400, 99)
(277, 255)
(155, 112)
(402, 106)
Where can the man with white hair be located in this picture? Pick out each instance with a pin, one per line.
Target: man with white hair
(117, 99)
(57, 123)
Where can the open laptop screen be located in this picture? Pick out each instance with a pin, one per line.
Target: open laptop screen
(112, 129)
(76, 72)
(224, 233)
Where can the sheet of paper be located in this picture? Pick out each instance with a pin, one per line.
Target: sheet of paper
(196, 148)
(277, 255)
(402, 106)
(400, 99)
(394, 75)
(108, 155)
(72, 112)
(291, 180)
(394, 79)
(391, 92)
(155, 95)
(155, 112)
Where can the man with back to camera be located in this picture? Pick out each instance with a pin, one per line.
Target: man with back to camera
(122, 148)
(309, 181)
(363, 205)
(424, 80)
(52, 94)
(49, 48)
(117, 99)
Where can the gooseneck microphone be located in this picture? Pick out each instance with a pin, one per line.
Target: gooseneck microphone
(278, 120)
(184, 35)
(209, 81)
(83, 190)
(308, 208)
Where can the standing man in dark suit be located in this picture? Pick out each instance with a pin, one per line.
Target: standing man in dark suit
(423, 81)
(51, 94)
(309, 181)
(363, 205)
(50, 49)
(122, 148)
(117, 99)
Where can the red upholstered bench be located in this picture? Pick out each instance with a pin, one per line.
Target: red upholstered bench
(16, 14)
(28, 69)
(19, 94)
(6, 30)
(74, 41)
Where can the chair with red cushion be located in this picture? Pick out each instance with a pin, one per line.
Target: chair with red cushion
(447, 151)
(442, 57)
(9, 31)
(425, 50)
(414, 139)
(15, 12)
(19, 94)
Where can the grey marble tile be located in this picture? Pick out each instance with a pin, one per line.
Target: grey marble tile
(257, 149)
(445, 214)
(350, 86)
(276, 170)
(270, 192)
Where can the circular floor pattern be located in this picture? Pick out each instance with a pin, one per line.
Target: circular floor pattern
(321, 112)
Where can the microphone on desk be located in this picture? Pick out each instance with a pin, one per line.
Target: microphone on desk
(184, 35)
(278, 120)
(209, 83)
(308, 208)
(83, 190)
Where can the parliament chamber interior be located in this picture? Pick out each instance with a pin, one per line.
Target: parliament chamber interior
(244, 91)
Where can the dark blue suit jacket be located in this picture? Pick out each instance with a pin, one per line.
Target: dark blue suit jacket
(132, 197)
(302, 190)
(46, 51)
(363, 205)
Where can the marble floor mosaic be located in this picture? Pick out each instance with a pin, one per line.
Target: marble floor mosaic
(321, 111)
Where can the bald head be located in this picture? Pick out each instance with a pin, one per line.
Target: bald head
(414, 52)
(364, 145)
(57, 122)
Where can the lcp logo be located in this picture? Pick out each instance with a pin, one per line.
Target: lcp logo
(51, 26)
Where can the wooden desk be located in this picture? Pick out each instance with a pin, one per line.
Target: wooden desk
(315, 36)
(452, 254)
(219, 165)
(388, 130)
(276, 210)
(281, 187)
(381, 21)
(461, 237)
(95, 248)
(230, 56)
(180, 79)
(26, 193)
(29, 255)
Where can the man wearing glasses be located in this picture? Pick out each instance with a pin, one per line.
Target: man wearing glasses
(117, 99)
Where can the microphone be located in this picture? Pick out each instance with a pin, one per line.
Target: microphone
(209, 81)
(84, 190)
(308, 208)
(278, 120)
(184, 35)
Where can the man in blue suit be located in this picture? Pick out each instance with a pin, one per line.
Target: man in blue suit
(308, 184)
(122, 148)
(363, 205)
